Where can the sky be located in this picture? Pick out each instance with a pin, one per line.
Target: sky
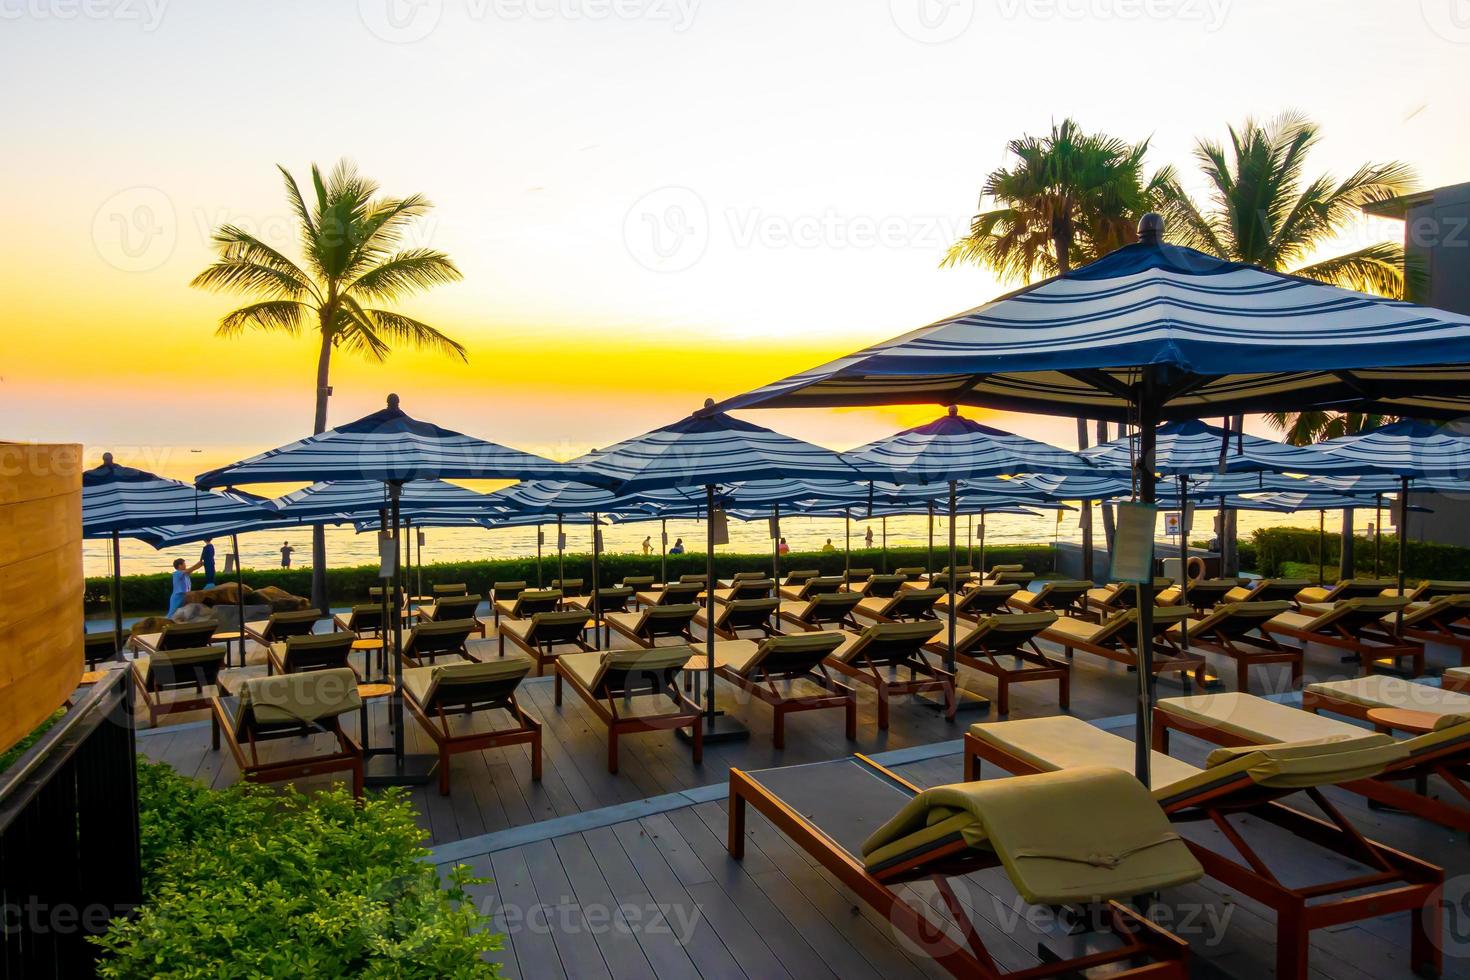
(652, 201)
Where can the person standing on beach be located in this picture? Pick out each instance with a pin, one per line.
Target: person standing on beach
(181, 585)
(648, 545)
(286, 550)
(782, 548)
(206, 561)
(869, 537)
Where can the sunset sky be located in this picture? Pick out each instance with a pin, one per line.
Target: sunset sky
(652, 201)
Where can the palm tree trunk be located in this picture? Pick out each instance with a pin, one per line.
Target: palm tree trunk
(1086, 518)
(319, 531)
(1346, 564)
(1229, 560)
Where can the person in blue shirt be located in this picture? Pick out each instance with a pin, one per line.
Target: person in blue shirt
(182, 585)
(678, 548)
(206, 559)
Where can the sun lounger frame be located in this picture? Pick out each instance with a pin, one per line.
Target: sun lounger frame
(1032, 665)
(618, 685)
(543, 653)
(347, 758)
(485, 696)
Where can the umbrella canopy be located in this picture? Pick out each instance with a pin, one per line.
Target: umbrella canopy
(1213, 338)
(365, 498)
(386, 446)
(708, 449)
(1193, 448)
(563, 497)
(1376, 483)
(1409, 448)
(953, 448)
(121, 499)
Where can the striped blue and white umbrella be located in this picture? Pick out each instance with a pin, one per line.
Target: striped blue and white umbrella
(386, 446)
(1194, 448)
(120, 501)
(363, 499)
(1416, 450)
(954, 448)
(1373, 484)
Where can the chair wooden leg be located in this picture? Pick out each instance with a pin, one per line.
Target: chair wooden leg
(882, 706)
(1064, 691)
(851, 709)
(443, 770)
(612, 750)
(1242, 677)
(778, 728)
(556, 690)
(698, 739)
(1003, 695)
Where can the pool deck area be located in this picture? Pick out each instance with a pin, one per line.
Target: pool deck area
(627, 875)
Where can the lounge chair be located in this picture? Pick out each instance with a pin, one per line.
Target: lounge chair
(817, 585)
(1018, 577)
(1348, 588)
(1432, 589)
(456, 607)
(1442, 751)
(673, 594)
(1354, 625)
(754, 666)
(638, 583)
(100, 646)
(743, 577)
(1233, 630)
(907, 605)
(1250, 782)
(569, 586)
(449, 589)
(1116, 639)
(1455, 679)
(310, 651)
(1109, 599)
(527, 603)
(913, 573)
(876, 655)
(603, 678)
(1012, 637)
(828, 610)
(544, 635)
(964, 575)
(173, 669)
(445, 638)
(1267, 590)
(653, 623)
(983, 600)
(506, 592)
(693, 578)
(742, 614)
(364, 618)
(1201, 596)
(856, 575)
(283, 625)
(432, 694)
(878, 586)
(290, 706)
(1075, 839)
(175, 636)
(1060, 596)
(1444, 619)
(995, 571)
(751, 588)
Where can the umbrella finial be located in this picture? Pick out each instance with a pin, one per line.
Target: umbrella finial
(708, 409)
(1151, 229)
(107, 459)
(392, 401)
(954, 410)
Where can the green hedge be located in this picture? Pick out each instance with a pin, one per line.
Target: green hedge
(251, 882)
(148, 593)
(1278, 546)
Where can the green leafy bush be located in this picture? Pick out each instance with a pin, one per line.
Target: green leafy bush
(252, 882)
(148, 593)
(1278, 546)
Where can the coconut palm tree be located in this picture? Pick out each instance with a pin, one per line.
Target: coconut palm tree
(1069, 198)
(352, 241)
(1263, 209)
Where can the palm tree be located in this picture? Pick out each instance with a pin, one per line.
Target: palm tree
(1263, 209)
(1070, 197)
(352, 243)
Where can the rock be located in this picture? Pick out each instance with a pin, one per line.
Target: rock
(278, 599)
(228, 616)
(192, 612)
(149, 624)
(216, 596)
(227, 594)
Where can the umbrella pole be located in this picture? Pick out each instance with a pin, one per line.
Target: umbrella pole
(930, 569)
(1148, 420)
(963, 699)
(561, 561)
(539, 581)
(1184, 559)
(408, 562)
(239, 596)
(885, 545)
(387, 614)
(1378, 535)
(117, 594)
(718, 727)
(1403, 532)
(418, 541)
(776, 544)
(847, 545)
(982, 540)
(663, 550)
(970, 540)
(402, 770)
(596, 600)
(1321, 548)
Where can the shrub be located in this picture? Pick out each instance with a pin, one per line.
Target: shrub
(1278, 546)
(250, 882)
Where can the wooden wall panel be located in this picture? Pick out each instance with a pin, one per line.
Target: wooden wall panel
(40, 583)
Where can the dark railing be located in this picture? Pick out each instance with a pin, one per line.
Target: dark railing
(69, 836)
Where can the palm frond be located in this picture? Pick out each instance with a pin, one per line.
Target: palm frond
(396, 326)
(406, 272)
(280, 315)
(243, 276)
(1377, 269)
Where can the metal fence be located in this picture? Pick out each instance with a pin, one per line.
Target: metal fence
(69, 836)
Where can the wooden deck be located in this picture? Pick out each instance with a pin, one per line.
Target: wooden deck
(596, 875)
